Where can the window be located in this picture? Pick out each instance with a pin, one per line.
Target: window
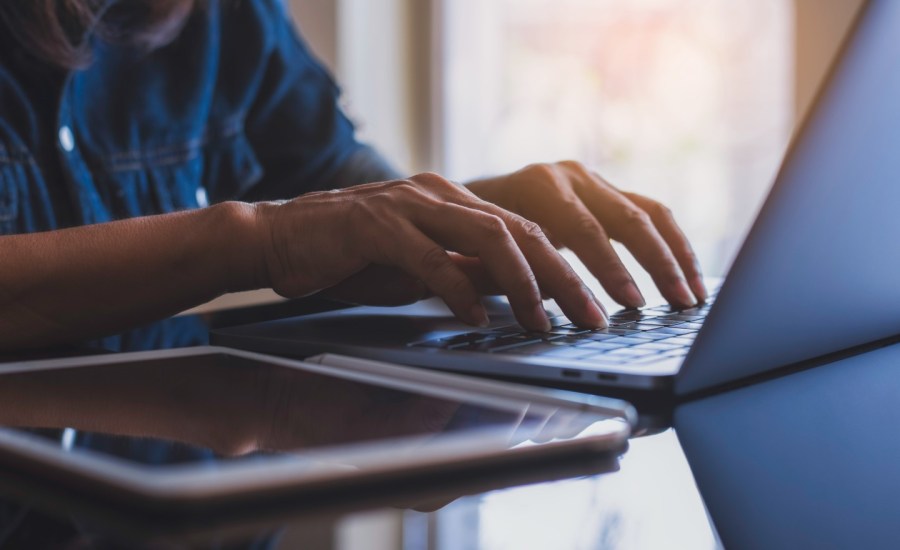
(686, 101)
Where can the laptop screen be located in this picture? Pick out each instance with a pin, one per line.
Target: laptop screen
(818, 271)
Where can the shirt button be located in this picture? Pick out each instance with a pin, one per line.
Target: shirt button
(66, 139)
(202, 198)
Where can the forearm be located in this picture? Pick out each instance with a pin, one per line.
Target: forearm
(141, 402)
(73, 284)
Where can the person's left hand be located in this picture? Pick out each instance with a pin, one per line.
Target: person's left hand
(581, 211)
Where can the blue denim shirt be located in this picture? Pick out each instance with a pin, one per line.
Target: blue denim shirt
(235, 108)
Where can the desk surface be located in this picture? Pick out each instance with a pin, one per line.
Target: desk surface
(651, 502)
(806, 460)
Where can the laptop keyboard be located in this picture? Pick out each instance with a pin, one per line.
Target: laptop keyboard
(634, 336)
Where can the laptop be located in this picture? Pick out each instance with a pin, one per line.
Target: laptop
(816, 275)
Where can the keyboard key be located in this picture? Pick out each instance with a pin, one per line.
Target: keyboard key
(625, 341)
(660, 322)
(683, 317)
(645, 326)
(661, 346)
(650, 335)
(600, 346)
(598, 336)
(634, 316)
(626, 317)
(692, 326)
(674, 330)
(614, 331)
(567, 330)
(509, 329)
(634, 352)
(680, 340)
(544, 336)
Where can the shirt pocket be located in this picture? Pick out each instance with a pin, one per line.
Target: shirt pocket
(190, 173)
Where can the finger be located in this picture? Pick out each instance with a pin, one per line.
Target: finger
(580, 231)
(378, 285)
(628, 224)
(478, 234)
(665, 223)
(478, 274)
(484, 283)
(415, 253)
(553, 273)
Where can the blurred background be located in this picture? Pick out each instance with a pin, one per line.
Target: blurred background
(691, 102)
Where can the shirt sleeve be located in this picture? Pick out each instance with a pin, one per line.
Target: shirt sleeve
(299, 135)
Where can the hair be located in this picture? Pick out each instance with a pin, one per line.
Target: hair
(55, 31)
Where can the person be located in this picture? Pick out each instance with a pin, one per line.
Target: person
(155, 154)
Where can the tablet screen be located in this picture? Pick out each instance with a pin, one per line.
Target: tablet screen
(217, 408)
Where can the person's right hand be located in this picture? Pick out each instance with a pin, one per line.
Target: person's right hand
(321, 239)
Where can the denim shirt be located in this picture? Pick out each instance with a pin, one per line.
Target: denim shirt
(235, 108)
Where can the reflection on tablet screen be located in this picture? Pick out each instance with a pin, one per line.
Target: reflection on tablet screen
(221, 408)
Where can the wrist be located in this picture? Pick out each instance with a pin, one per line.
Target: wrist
(242, 237)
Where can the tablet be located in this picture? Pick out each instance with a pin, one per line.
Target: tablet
(205, 428)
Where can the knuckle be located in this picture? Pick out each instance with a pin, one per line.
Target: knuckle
(459, 286)
(432, 179)
(433, 260)
(532, 230)
(691, 257)
(573, 165)
(673, 274)
(493, 224)
(660, 209)
(571, 279)
(586, 225)
(402, 186)
(540, 172)
(635, 219)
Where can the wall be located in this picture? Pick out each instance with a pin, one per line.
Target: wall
(821, 26)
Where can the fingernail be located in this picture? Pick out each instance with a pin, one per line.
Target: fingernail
(634, 296)
(479, 316)
(542, 323)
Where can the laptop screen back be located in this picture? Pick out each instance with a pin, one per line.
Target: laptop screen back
(818, 271)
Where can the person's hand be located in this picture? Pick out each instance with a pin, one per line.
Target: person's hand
(580, 210)
(318, 240)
